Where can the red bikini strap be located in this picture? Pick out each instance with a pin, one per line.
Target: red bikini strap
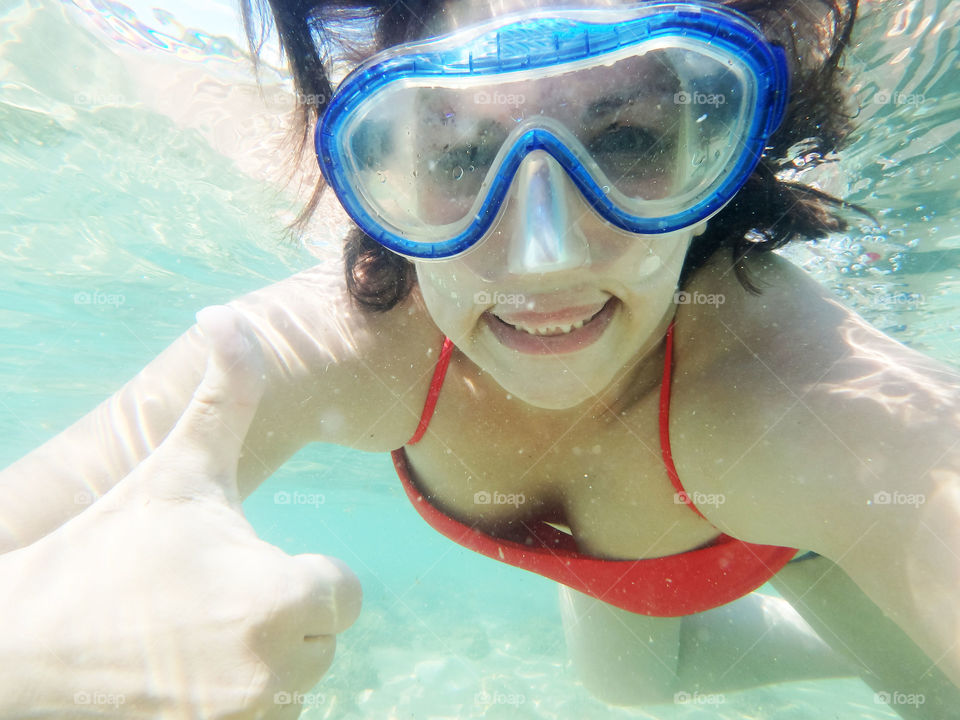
(439, 372)
(665, 423)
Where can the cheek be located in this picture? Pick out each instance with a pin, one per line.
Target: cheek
(645, 262)
(645, 265)
(448, 295)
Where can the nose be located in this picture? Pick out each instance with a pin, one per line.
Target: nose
(542, 237)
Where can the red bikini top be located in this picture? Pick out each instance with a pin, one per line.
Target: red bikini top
(671, 586)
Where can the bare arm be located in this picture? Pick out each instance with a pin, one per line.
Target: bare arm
(846, 439)
(334, 374)
(884, 656)
(60, 478)
(107, 604)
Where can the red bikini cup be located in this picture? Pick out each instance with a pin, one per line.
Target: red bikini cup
(722, 571)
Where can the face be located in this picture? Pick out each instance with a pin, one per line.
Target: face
(555, 329)
(554, 303)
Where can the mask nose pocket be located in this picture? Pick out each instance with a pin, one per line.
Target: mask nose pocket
(545, 238)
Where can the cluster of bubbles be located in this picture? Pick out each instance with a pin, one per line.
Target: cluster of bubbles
(871, 252)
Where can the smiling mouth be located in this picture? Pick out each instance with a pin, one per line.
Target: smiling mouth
(551, 330)
(565, 331)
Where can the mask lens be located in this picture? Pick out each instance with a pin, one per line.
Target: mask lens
(665, 130)
(377, 152)
(457, 142)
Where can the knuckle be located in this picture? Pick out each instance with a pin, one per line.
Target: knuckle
(328, 592)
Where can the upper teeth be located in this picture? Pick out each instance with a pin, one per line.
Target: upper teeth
(551, 329)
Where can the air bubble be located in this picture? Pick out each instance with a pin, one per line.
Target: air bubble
(457, 172)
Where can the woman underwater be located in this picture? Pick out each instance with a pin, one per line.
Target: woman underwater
(559, 290)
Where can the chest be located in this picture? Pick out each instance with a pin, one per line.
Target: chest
(490, 462)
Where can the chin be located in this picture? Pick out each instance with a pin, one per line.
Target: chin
(554, 401)
(554, 388)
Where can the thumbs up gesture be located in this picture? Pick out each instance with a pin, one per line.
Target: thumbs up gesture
(159, 600)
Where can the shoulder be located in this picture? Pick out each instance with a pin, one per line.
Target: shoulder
(798, 412)
(359, 376)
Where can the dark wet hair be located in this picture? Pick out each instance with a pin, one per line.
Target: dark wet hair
(766, 214)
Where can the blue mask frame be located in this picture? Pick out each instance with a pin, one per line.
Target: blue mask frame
(545, 39)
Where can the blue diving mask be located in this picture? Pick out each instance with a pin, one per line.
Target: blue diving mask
(657, 113)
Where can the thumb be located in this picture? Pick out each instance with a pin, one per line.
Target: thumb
(207, 440)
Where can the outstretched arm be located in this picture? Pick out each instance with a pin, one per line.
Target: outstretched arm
(328, 379)
(160, 601)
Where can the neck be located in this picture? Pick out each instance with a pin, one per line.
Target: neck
(639, 378)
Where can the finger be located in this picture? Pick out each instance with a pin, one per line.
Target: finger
(309, 660)
(301, 696)
(329, 595)
(209, 437)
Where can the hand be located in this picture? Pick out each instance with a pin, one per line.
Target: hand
(159, 600)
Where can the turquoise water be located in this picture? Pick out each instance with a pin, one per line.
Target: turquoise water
(138, 185)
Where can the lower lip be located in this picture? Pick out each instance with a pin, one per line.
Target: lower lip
(569, 342)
